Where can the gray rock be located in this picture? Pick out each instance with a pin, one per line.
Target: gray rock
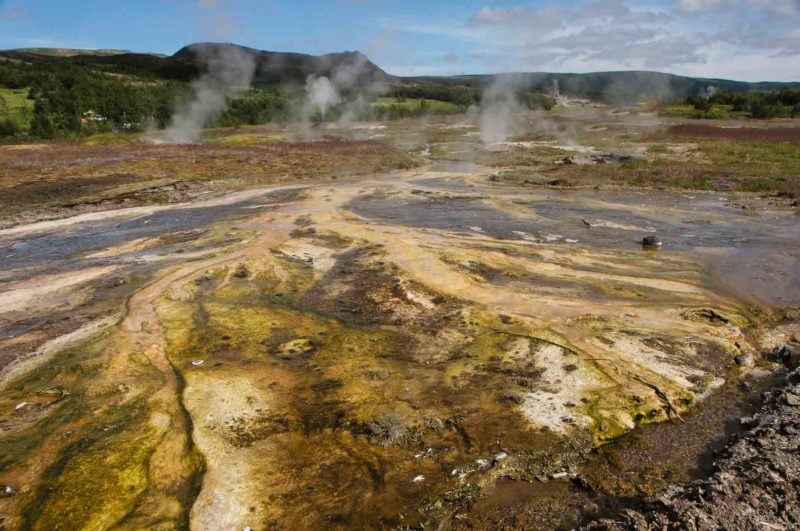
(790, 357)
(652, 241)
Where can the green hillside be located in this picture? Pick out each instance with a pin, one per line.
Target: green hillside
(50, 92)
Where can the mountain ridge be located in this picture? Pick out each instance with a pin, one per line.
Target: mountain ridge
(291, 67)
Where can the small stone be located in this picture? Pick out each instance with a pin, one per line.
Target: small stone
(652, 241)
(499, 457)
(789, 357)
(419, 479)
(296, 346)
(743, 360)
(793, 400)
(20, 406)
(6, 491)
(748, 422)
(197, 363)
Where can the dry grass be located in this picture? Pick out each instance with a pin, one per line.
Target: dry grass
(67, 173)
(772, 134)
(732, 165)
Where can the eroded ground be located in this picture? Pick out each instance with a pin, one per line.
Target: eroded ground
(424, 347)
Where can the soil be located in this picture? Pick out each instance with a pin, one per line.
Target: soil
(766, 134)
(755, 482)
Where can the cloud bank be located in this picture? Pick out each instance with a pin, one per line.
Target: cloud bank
(748, 39)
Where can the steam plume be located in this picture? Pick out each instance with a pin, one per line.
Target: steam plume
(229, 68)
(321, 94)
(347, 87)
(501, 114)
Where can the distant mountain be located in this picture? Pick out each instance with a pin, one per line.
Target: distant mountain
(272, 67)
(189, 62)
(611, 86)
(72, 52)
(284, 67)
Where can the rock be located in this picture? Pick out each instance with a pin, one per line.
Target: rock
(652, 241)
(419, 479)
(6, 491)
(610, 158)
(748, 422)
(53, 392)
(434, 423)
(743, 360)
(789, 357)
(706, 315)
(21, 405)
(296, 346)
(754, 481)
(197, 363)
(510, 397)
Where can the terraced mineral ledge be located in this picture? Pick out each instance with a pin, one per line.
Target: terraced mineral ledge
(415, 348)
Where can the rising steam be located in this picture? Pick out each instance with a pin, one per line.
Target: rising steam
(229, 69)
(501, 114)
(348, 88)
(321, 95)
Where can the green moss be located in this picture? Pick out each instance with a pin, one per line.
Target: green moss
(70, 369)
(96, 482)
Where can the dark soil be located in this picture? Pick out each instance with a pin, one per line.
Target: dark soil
(755, 482)
(772, 134)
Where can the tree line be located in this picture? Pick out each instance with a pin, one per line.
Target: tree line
(783, 103)
(70, 98)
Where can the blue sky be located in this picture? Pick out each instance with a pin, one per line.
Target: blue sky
(741, 39)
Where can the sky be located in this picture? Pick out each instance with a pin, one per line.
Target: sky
(751, 40)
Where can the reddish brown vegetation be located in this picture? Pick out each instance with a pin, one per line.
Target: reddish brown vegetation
(62, 173)
(772, 134)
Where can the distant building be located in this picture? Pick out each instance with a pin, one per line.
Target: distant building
(91, 116)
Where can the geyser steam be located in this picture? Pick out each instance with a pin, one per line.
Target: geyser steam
(347, 88)
(321, 95)
(229, 68)
(501, 113)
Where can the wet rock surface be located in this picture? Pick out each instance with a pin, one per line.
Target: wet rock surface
(422, 349)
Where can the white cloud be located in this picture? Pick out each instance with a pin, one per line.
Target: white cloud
(701, 6)
(747, 39)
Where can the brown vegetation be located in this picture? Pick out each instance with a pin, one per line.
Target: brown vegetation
(65, 174)
(773, 134)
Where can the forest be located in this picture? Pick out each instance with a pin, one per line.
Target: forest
(62, 98)
(773, 104)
